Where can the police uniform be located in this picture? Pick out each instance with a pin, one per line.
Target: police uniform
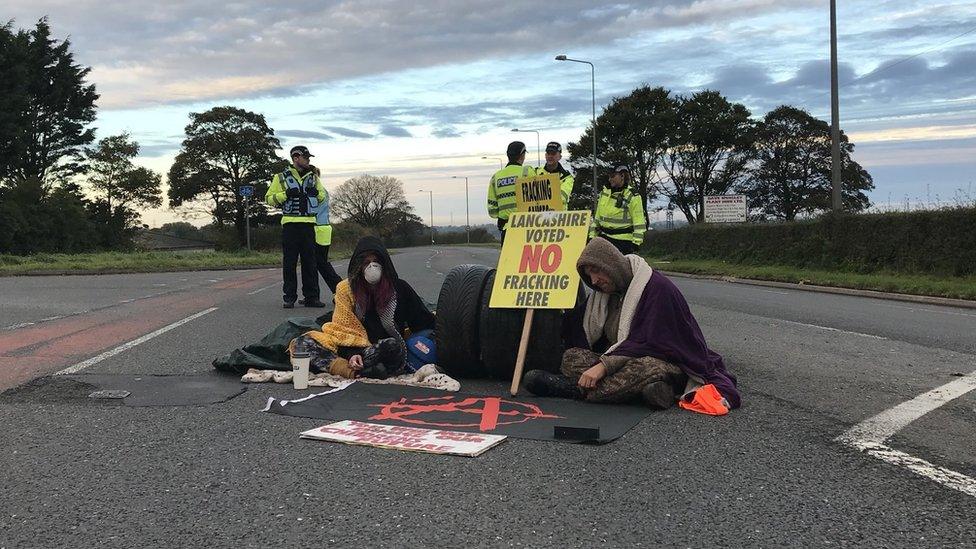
(501, 188)
(323, 240)
(620, 218)
(566, 179)
(298, 196)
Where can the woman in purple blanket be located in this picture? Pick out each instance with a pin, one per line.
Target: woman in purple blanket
(635, 338)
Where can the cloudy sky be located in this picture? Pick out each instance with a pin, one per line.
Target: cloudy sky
(422, 90)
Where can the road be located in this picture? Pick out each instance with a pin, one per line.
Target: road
(79, 472)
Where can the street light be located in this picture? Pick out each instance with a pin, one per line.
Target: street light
(538, 158)
(467, 214)
(500, 165)
(431, 193)
(596, 194)
(834, 114)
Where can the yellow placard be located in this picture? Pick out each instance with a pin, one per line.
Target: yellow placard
(538, 193)
(537, 266)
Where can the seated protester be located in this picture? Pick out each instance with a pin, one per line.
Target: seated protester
(375, 313)
(634, 338)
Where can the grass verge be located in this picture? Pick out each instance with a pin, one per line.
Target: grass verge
(133, 262)
(957, 288)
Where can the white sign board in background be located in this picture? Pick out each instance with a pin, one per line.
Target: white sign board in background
(405, 438)
(726, 208)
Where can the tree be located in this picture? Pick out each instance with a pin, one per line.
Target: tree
(375, 202)
(225, 148)
(631, 131)
(707, 153)
(45, 104)
(124, 185)
(791, 175)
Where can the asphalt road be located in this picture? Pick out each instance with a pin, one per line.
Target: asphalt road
(77, 472)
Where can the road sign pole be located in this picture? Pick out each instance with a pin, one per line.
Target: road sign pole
(247, 220)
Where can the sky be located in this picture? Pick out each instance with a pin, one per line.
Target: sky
(422, 90)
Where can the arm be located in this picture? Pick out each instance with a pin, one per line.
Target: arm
(320, 189)
(276, 192)
(640, 219)
(492, 199)
(593, 220)
(419, 316)
(566, 189)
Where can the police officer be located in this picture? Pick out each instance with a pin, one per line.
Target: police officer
(297, 191)
(501, 188)
(566, 180)
(323, 240)
(619, 216)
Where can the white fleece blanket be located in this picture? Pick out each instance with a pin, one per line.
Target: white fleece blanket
(595, 316)
(427, 376)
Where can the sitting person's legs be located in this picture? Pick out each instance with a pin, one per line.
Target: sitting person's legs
(656, 381)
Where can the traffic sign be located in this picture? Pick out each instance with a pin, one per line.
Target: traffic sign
(247, 190)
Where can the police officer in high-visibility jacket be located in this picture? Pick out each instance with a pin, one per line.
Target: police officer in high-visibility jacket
(619, 216)
(323, 240)
(501, 188)
(554, 153)
(297, 191)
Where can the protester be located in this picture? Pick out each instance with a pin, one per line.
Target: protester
(566, 180)
(377, 315)
(619, 216)
(634, 338)
(297, 191)
(501, 188)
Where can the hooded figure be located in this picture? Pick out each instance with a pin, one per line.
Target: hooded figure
(375, 313)
(634, 337)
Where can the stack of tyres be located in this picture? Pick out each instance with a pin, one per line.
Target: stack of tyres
(457, 329)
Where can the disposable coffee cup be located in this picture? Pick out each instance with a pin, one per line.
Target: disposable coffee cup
(299, 367)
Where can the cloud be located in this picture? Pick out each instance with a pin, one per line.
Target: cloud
(444, 132)
(346, 132)
(169, 52)
(389, 130)
(303, 134)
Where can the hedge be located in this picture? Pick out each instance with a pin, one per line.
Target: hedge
(940, 242)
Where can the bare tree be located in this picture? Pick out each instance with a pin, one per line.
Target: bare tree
(375, 202)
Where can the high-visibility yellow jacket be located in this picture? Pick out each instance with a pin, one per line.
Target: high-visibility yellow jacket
(295, 210)
(620, 215)
(501, 190)
(566, 182)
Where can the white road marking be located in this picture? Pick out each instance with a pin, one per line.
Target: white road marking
(259, 290)
(126, 346)
(870, 435)
(927, 310)
(16, 326)
(829, 329)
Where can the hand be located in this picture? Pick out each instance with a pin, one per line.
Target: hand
(590, 377)
(293, 192)
(356, 362)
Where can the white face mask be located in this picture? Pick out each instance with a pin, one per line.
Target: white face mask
(373, 272)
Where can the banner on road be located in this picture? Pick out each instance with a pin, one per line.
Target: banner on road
(537, 266)
(538, 193)
(414, 439)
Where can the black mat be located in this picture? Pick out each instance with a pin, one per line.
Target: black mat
(522, 417)
(176, 390)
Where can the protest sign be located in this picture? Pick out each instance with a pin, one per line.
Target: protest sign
(538, 193)
(537, 266)
(414, 439)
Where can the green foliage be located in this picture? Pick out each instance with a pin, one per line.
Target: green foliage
(929, 242)
(225, 148)
(45, 107)
(791, 173)
(126, 187)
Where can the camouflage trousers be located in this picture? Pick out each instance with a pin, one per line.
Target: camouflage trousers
(625, 384)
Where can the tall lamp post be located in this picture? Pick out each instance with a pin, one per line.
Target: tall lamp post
(500, 165)
(467, 214)
(431, 193)
(596, 194)
(538, 155)
(834, 113)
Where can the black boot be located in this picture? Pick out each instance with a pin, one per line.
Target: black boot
(544, 384)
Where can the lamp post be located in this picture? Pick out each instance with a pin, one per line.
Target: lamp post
(467, 214)
(431, 193)
(500, 165)
(834, 113)
(538, 157)
(563, 57)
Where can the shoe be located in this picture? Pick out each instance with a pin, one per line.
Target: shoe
(288, 305)
(658, 395)
(312, 303)
(301, 301)
(544, 384)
